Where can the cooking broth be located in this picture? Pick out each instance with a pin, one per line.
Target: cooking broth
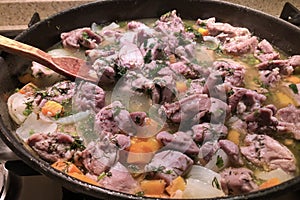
(182, 109)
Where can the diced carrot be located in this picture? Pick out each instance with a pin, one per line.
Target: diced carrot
(144, 145)
(72, 170)
(177, 184)
(60, 165)
(84, 178)
(153, 187)
(203, 31)
(234, 136)
(66, 167)
(141, 147)
(181, 86)
(142, 150)
(29, 88)
(172, 58)
(293, 79)
(52, 108)
(270, 183)
(154, 143)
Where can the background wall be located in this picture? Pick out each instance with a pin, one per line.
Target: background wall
(15, 14)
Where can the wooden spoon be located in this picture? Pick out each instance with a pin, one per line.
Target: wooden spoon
(68, 66)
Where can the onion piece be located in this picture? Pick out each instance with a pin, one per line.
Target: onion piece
(203, 183)
(72, 119)
(111, 26)
(198, 189)
(16, 106)
(34, 124)
(276, 173)
(219, 156)
(212, 42)
(205, 175)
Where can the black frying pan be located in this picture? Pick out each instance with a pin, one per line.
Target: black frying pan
(46, 33)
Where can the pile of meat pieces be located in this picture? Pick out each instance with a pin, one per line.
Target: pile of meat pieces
(214, 95)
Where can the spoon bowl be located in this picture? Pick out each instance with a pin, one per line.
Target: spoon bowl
(68, 66)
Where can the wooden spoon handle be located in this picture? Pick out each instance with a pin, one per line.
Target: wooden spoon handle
(30, 52)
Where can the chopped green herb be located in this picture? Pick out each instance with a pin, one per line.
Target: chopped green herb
(28, 108)
(148, 56)
(85, 36)
(230, 71)
(294, 88)
(104, 174)
(145, 43)
(220, 162)
(27, 112)
(121, 71)
(230, 92)
(256, 113)
(140, 193)
(169, 171)
(108, 174)
(188, 83)
(78, 144)
(198, 35)
(158, 169)
(43, 93)
(151, 46)
(215, 183)
(57, 116)
(117, 110)
(31, 132)
(133, 168)
(101, 176)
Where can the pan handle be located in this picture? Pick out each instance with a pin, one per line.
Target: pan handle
(290, 14)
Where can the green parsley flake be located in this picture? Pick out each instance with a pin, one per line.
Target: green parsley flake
(294, 88)
(220, 162)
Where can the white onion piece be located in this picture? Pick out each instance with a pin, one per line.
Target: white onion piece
(16, 106)
(71, 119)
(204, 174)
(107, 32)
(111, 26)
(212, 164)
(34, 124)
(199, 189)
(46, 118)
(213, 42)
(276, 173)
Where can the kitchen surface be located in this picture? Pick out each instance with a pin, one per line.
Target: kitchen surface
(15, 16)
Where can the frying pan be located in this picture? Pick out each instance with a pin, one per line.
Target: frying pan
(47, 33)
